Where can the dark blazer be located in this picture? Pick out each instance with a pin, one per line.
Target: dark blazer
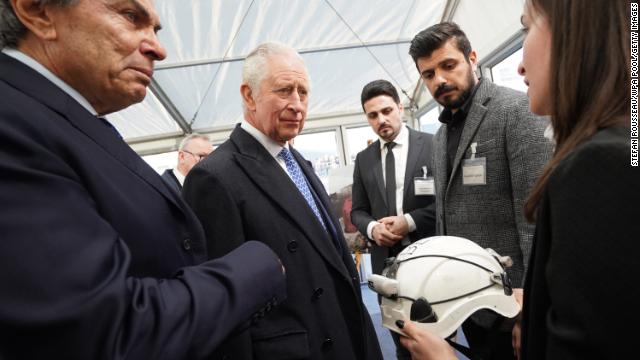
(240, 192)
(369, 196)
(170, 179)
(96, 250)
(580, 294)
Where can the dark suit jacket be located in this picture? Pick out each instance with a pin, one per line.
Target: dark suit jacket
(170, 178)
(580, 294)
(369, 196)
(95, 249)
(240, 192)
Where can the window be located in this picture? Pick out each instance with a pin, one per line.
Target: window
(505, 73)
(321, 149)
(429, 122)
(163, 161)
(357, 140)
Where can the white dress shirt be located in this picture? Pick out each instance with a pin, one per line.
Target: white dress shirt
(35, 65)
(400, 153)
(272, 147)
(179, 176)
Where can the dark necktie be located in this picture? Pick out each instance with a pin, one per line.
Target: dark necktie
(390, 177)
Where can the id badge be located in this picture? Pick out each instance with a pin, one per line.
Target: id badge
(474, 171)
(424, 186)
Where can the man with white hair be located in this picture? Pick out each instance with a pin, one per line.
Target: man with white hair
(191, 150)
(257, 186)
(100, 259)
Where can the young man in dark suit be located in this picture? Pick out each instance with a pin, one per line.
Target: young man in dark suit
(393, 198)
(257, 186)
(100, 259)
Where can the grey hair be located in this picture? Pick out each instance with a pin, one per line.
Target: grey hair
(253, 70)
(11, 29)
(190, 137)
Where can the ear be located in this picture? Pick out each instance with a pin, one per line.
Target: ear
(247, 97)
(36, 18)
(401, 108)
(473, 60)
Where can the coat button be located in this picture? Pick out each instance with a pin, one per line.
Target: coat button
(186, 244)
(327, 343)
(292, 246)
(317, 293)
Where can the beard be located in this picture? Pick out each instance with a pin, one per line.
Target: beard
(456, 103)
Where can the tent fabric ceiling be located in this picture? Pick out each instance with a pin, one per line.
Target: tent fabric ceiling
(345, 44)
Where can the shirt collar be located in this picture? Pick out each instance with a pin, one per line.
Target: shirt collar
(178, 175)
(268, 143)
(35, 65)
(401, 139)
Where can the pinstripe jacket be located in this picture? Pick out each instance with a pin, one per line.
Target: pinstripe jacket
(511, 139)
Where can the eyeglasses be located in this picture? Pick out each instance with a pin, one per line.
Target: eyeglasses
(198, 157)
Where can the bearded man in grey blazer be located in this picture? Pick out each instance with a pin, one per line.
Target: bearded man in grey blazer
(488, 153)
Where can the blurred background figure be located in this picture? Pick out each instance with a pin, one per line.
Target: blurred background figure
(192, 149)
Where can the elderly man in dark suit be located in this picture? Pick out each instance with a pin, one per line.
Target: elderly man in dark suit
(99, 257)
(487, 155)
(393, 198)
(256, 186)
(192, 149)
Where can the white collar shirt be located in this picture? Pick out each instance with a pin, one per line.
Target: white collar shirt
(272, 147)
(35, 65)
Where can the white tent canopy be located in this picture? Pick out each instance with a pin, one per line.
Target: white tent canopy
(345, 44)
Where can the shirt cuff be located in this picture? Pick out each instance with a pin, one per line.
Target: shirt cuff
(410, 222)
(370, 229)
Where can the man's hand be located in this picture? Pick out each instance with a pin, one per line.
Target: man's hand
(424, 345)
(384, 237)
(396, 224)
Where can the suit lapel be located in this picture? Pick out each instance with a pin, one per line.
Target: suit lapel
(273, 181)
(440, 160)
(475, 117)
(37, 86)
(415, 150)
(326, 246)
(376, 169)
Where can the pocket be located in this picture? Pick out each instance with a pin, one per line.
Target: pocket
(482, 147)
(286, 345)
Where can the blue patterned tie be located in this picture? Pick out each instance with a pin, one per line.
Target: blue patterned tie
(300, 181)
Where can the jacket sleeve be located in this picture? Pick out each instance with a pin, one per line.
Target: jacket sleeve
(220, 216)
(65, 286)
(527, 153)
(425, 219)
(593, 250)
(361, 207)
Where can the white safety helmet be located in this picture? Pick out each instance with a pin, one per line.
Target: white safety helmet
(440, 281)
